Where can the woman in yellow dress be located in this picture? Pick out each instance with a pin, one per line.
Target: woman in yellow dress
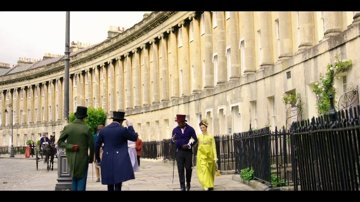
(206, 158)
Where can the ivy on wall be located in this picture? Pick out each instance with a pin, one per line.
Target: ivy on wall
(325, 87)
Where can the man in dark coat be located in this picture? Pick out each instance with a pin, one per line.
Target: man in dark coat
(78, 142)
(184, 137)
(115, 163)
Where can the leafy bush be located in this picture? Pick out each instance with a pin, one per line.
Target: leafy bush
(277, 181)
(95, 117)
(325, 87)
(29, 142)
(247, 174)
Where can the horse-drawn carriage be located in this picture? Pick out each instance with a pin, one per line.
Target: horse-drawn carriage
(48, 150)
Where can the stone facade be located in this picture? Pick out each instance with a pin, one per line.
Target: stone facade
(232, 68)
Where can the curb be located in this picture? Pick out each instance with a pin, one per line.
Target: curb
(252, 183)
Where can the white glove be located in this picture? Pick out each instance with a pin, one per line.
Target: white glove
(128, 123)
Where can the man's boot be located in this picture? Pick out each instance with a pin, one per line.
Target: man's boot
(188, 187)
(182, 187)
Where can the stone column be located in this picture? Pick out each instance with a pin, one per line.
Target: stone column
(58, 107)
(31, 106)
(234, 46)
(37, 113)
(111, 86)
(52, 100)
(285, 35)
(71, 94)
(195, 56)
(220, 47)
(75, 95)
(136, 96)
(2, 108)
(207, 49)
(154, 73)
(127, 82)
(164, 82)
(24, 105)
(184, 66)
(88, 88)
(356, 17)
(332, 23)
(173, 67)
(95, 82)
(247, 34)
(121, 85)
(81, 89)
(45, 104)
(16, 102)
(105, 88)
(145, 75)
(307, 27)
(266, 42)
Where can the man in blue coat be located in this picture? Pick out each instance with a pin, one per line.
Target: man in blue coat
(115, 163)
(184, 137)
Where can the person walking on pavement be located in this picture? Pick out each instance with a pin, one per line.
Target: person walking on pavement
(184, 137)
(138, 146)
(115, 163)
(206, 158)
(76, 138)
(97, 167)
(133, 155)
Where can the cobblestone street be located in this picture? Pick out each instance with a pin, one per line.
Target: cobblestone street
(21, 174)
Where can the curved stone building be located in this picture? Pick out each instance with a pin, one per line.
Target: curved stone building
(232, 68)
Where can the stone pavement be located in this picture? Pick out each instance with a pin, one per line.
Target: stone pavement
(20, 174)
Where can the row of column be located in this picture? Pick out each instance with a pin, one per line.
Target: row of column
(176, 63)
(37, 103)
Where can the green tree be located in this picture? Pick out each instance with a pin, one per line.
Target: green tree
(95, 117)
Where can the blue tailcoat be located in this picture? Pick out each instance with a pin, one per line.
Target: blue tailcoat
(115, 163)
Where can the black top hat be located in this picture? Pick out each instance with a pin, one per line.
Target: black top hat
(118, 115)
(81, 112)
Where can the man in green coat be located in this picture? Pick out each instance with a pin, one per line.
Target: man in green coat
(78, 142)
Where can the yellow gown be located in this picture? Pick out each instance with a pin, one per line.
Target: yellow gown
(205, 160)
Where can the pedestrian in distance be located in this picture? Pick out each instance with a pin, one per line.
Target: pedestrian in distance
(97, 167)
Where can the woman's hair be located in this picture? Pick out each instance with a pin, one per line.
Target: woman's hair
(204, 122)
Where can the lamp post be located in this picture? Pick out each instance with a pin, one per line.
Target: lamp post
(64, 175)
(12, 152)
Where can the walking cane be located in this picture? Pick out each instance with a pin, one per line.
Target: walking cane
(174, 167)
(92, 172)
(173, 139)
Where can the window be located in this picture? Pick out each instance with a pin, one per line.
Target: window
(215, 61)
(259, 45)
(242, 53)
(271, 112)
(298, 29)
(277, 35)
(344, 83)
(228, 62)
(253, 113)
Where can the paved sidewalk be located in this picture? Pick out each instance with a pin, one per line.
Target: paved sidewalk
(154, 175)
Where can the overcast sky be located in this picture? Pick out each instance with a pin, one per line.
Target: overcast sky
(32, 34)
